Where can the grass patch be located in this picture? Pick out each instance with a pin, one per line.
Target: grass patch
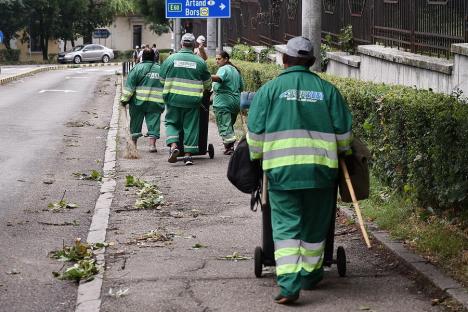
(438, 238)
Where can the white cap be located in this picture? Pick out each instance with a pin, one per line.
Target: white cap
(201, 39)
(300, 47)
(188, 37)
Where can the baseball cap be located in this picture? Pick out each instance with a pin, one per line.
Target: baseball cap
(299, 47)
(201, 39)
(188, 37)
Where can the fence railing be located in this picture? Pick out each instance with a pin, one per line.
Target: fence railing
(421, 26)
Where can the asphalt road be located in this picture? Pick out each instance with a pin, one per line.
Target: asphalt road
(53, 124)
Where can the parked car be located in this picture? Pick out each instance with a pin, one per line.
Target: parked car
(87, 53)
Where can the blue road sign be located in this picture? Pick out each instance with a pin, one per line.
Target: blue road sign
(1, 36)
(198, 9)
(101, 33)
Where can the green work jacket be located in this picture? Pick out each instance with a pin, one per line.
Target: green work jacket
(143, 87)
(297, 125)
(184, 76)
(227, 92)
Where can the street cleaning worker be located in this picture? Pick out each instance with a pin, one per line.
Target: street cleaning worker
(298, 123)
(185, 76)
(227, 87)
(143, 91)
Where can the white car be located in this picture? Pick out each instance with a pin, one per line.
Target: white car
(87, 53)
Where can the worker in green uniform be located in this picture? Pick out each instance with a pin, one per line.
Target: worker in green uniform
(143, 90)
(298, 123)
(227, 87)
(185, 76)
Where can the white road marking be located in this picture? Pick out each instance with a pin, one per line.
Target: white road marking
(66, 91)
(77, 77)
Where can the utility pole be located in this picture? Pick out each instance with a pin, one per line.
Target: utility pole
(312, 26)
(177, 36)
(220, 41)
(211, 36)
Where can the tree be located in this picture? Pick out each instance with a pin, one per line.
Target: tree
(101, 13)
(71, 12)
(44, 14)
(13, 18)
(153, 12)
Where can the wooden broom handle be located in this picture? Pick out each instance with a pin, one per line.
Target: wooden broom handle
(355, 202)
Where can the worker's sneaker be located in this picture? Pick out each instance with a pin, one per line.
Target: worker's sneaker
(153, 149)
(188, 160)
(173, 153)
(280, 299)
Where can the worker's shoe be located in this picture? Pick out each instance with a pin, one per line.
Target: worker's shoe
(310, 281)
(281, 299)
(188, 160)
(229, 148)
(152, 149)
(173, 153)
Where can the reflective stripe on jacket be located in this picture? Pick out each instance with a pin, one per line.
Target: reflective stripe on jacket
(144, 87)
(298, 123)
(184, 76)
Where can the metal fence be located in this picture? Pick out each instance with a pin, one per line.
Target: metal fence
(421, 26)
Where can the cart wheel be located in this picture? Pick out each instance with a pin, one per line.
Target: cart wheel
(211, 151)
(341, 261)
(258, 257)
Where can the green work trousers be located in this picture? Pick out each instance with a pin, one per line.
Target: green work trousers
(300, 221)
(225, 121)
(186, 119)
(152, 118)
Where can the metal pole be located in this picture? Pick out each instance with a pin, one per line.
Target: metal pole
(220, 41)
(211, 36)
(177, 34)
(312, 26)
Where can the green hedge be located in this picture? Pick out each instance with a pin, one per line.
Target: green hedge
(419, 139)
(11, 55)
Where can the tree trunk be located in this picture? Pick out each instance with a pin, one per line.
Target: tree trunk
(312, 26)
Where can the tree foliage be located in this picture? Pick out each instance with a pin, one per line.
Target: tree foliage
(153, 12)
(12, 19)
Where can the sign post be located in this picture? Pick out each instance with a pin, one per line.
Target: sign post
(198, 9)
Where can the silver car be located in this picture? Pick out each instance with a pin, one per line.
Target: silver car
(87, 53)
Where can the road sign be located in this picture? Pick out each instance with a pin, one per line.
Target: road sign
(101, 33)
(198, 9)
(1, 36)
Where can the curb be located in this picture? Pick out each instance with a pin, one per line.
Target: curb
(89, 293)
(416, 263)
(53, 67)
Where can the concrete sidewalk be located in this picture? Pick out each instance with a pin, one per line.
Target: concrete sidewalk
(203, 222)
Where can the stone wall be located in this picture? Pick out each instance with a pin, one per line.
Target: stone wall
(389, 65)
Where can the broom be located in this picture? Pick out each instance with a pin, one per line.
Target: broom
(355, 202)
(131, 151)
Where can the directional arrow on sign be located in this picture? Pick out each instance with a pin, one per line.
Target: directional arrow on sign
(222, 6)
(66, 91)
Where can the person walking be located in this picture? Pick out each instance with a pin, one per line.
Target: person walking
(227, 87)
(200, 49)
(135, 54)
(298, 123)
(143, 90)
(156, 53)
(185, 77)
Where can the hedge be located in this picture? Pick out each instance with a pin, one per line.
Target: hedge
(9, 55)
(419, 139)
